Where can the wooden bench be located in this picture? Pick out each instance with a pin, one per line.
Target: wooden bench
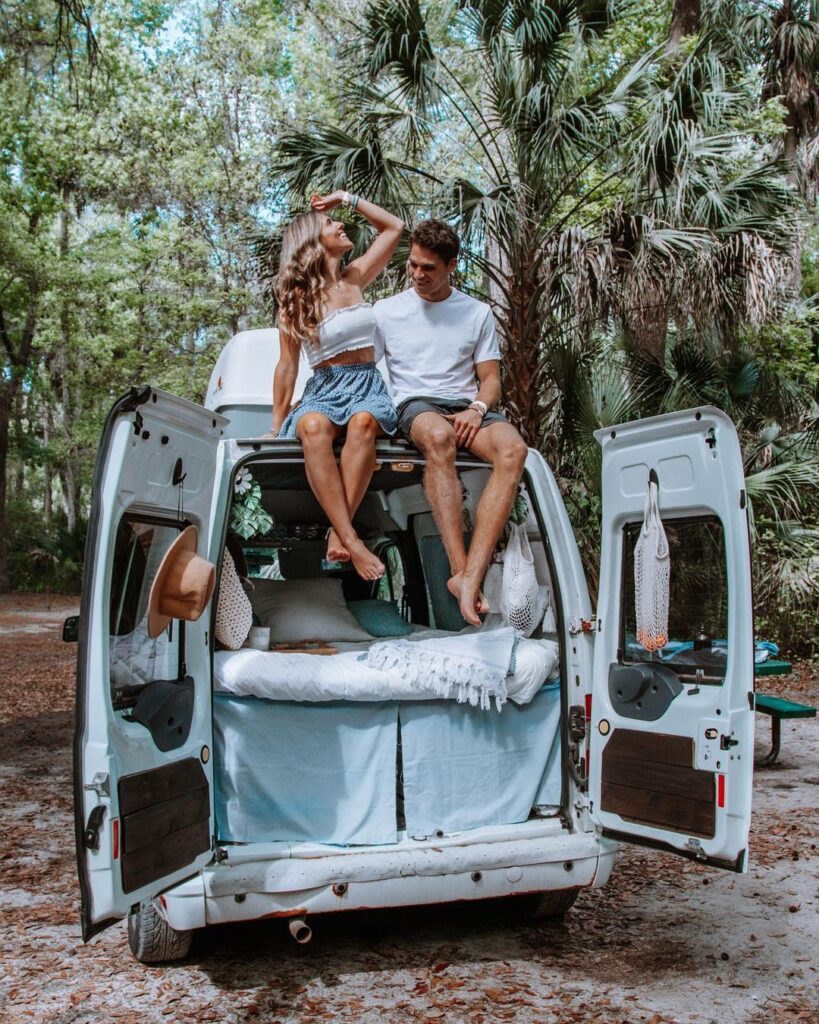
(779, 708)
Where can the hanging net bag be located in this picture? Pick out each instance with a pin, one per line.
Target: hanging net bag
(652, 573)
(519, 589)
(519, 602)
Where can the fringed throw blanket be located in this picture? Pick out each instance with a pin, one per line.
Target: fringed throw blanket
(471, 668)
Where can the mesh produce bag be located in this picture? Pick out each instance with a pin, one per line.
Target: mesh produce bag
(652, 574)
(519, 589)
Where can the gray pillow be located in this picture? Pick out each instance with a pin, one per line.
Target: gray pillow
(308, 609)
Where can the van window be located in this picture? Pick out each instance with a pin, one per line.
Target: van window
(134, 658)
(698, 606)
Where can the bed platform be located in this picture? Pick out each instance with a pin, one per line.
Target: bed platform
(325, 772)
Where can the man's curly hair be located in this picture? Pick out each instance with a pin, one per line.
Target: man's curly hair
(438, 237)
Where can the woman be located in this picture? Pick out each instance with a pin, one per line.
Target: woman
(322, 308)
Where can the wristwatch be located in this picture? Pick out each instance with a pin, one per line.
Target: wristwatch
(479, 406)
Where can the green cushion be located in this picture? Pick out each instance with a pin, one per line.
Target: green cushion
(782, 708)
(380, 618)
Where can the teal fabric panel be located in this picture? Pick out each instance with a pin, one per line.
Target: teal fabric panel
(300, 772)
(551, 782)
(466, 768)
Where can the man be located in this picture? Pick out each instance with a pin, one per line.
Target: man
(444, 367)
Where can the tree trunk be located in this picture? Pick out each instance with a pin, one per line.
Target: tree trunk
(686, 19)
(48, 430)
(6, 391)
(10, 384)
(520, 334)
(20, 462)
(71, 495)
(649, 340)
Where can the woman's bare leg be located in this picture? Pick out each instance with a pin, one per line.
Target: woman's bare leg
(317, 433)
(356, 469)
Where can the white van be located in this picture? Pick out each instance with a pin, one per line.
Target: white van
(215, 804)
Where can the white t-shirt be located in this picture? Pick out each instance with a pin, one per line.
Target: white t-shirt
(431, 348)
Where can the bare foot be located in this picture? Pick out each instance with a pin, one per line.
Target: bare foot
(470, 598)
(365, 562)
(336, 552)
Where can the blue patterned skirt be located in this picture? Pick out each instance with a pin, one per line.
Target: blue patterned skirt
(339, 392)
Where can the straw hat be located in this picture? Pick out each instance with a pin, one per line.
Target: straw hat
(182, 586)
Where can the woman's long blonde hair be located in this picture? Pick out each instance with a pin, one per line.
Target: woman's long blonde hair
(302, 278)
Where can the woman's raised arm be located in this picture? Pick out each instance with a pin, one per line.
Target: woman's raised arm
(367, 267)
(284, 379)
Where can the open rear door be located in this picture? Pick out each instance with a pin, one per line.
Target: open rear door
(671, 740)
(142, 773)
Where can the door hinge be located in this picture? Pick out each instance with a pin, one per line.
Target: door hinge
(91, 832)
(581, 625)
(695, 846)
(577, 723)
(100, 784)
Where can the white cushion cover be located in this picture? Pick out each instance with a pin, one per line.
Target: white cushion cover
(308, 677)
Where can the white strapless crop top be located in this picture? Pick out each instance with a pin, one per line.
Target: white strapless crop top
(343, 330)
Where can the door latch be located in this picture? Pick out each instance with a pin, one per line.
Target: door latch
(100, 784)
(577, 723)
(577, 624)
(726, 742)
(91, 833)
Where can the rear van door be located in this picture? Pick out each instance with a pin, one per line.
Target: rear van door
(671, 731)
(142, 771)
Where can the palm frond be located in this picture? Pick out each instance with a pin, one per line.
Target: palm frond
(781, 487)
(328, 157)
(395, 40)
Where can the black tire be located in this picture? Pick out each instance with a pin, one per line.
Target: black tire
(151, 938)
(539, 905)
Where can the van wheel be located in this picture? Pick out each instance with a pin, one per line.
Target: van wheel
(533, 905)
(151, 938)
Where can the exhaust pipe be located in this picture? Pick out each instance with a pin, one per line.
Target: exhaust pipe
(300, 930)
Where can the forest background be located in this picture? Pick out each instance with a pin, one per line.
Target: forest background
(635, 184)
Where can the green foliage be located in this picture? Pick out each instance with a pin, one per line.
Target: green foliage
(786, 579)
(248, 517)
(787, 347)
(636, 212)
(44, 557)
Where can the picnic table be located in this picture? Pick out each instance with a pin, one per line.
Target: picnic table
(777, 707)
(773, 667)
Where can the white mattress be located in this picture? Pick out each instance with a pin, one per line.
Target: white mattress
(311, 677)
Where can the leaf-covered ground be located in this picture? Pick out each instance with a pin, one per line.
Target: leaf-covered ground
(666, 940)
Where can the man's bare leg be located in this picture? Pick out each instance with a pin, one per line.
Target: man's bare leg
(356, 466)
(434, 436)
(502, 446)
(317, 433)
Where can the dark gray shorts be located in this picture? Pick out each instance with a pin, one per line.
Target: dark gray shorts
(412, 407)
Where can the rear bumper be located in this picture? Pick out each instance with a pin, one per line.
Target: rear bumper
(256, 883)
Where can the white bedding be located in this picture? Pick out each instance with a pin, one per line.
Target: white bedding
(342, 676)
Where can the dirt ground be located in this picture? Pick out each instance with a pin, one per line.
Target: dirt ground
(666, 940)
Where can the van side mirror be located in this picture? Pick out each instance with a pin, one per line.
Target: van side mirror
(71, 629)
